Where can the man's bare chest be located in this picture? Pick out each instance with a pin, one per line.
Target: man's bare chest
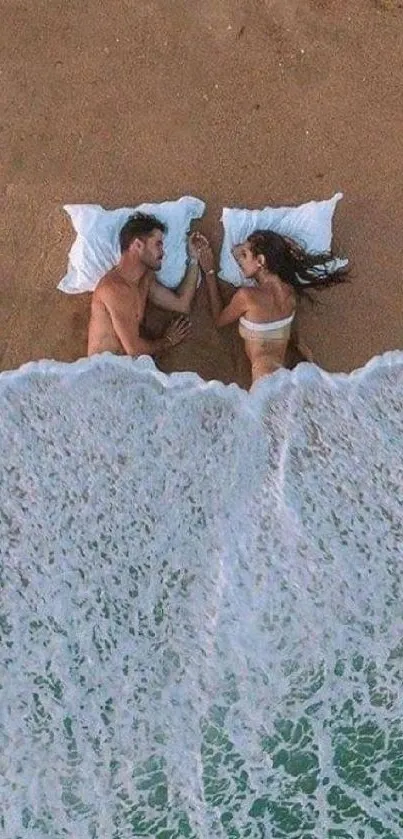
(137, 299)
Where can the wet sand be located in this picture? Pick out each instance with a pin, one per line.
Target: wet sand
(240, 102)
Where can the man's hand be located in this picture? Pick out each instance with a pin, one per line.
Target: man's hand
(193, 246)
(177, 331)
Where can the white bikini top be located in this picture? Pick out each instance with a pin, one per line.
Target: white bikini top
(270, 326)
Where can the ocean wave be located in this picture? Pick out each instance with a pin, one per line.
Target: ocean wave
(201, 621)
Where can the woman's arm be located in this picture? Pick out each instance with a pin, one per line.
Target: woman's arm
(214, 296)
(222, 315)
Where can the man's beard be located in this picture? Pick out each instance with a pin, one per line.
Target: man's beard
(153, 263)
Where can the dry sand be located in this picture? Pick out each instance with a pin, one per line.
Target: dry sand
(241, 102)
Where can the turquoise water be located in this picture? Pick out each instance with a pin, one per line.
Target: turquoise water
(201, 615)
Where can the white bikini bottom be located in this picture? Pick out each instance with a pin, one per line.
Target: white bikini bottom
(275, 330)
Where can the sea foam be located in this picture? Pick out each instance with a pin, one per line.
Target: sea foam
(201, 614)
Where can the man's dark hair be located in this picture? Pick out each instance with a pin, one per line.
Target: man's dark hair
(138, 226)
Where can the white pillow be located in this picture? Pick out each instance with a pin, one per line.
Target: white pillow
(96, 248)
(309, 224)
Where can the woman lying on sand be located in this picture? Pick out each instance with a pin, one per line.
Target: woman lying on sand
(282, 270)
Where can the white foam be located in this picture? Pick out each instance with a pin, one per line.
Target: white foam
(201, 617)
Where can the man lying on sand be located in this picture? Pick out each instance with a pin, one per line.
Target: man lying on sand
(119, 300)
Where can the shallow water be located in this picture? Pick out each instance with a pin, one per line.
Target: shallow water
(202, 614)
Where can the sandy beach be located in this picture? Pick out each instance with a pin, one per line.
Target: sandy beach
(239, 102)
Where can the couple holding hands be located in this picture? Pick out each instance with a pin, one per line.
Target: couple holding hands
(279, 268)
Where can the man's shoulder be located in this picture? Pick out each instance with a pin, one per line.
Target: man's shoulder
(110, 285)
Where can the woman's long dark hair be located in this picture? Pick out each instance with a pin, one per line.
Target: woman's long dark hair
(292, 263)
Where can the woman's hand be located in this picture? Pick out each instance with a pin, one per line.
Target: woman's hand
(206, 256)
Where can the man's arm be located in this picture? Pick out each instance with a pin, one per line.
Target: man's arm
(125, 322)
(179, 300)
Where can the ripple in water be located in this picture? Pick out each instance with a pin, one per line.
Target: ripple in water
(201, 615)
